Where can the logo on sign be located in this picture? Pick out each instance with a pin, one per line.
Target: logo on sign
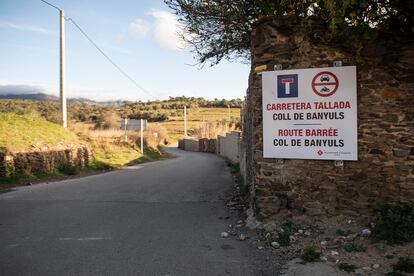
(287, 86)
(325, 84)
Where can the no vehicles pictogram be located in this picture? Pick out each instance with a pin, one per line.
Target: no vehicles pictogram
(325, 84)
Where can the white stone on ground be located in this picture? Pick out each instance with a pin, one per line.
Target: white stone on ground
(224, 234)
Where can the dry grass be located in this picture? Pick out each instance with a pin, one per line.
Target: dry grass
(155, 135)
(196, 119)
(107, 133)
(210, 130)
(201, 122)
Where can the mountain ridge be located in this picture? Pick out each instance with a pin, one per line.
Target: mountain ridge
(47, 97)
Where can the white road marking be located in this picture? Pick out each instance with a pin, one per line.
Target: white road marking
(85, 239)
(93, 239)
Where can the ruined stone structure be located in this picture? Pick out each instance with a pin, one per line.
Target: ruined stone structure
(384, 171)
(44, 161)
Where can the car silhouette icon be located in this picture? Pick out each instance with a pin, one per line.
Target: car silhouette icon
(325, 89)
(325, 78)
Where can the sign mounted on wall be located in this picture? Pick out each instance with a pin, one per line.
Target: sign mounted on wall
(310, 114)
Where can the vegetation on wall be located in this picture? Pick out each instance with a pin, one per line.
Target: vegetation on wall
(218, 29)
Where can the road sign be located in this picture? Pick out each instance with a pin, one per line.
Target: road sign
(132, 124)
(287, 86)
(310, 113)
(325, 84)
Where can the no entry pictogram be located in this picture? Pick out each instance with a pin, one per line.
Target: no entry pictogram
(325, 84)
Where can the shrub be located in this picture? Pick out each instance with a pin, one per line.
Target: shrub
(341, 232)
(347, 267)
(108, 120)
(283, 238)
(395, 224)
(404, 264)
(354, 247)
(287, 229)
(311, 254)
(394, 273)
(155, 135)
(68, 169)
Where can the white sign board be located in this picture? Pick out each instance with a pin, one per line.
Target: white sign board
(310, 114)
(132, 124)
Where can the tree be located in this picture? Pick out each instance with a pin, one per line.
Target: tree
(220, 29)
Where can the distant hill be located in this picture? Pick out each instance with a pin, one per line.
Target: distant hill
(51, 98)
(35, 97)
(101, 103)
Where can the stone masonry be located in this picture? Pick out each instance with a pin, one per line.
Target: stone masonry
(384, 172)
(44, 161)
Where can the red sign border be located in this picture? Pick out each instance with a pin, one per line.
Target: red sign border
(330, 93)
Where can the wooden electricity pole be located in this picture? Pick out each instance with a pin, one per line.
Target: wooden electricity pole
(142, 135)
(62, 70)
(185, 121)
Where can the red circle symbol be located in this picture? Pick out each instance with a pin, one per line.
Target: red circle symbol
(325, 84)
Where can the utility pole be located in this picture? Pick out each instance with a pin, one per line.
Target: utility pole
(62, 70)
(185, 121)
(228, 119)
(142, 135)
(126, 129)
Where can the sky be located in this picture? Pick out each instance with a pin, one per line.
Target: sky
(140, 36)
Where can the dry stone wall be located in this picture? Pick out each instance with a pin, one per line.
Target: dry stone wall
(384, 171)
(207, 145)
(44, 161)
(188, 144)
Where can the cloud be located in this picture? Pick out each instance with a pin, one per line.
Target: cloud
(72, 91)
(139, 28)
(167, 30)
(13, 89)
(24, 27)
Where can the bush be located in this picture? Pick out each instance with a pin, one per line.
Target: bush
(283, 238)
(68, 169)
(287, 229)
(404, 264)
(394, 273)
(341, 232)
(311, 254)
(108, 120)
(155, 136)
(395, 224)
(347, 267)
(354, 247)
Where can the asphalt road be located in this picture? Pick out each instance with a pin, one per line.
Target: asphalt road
(159, 218)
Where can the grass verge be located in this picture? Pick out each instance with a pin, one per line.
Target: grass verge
(20, 133)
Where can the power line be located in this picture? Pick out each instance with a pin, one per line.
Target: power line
(109, 59)
(50, 4)
(103, 53)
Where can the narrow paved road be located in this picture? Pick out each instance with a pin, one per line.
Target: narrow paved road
(159, 218)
